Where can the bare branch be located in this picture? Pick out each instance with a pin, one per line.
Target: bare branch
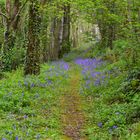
(20, 10)
(4, 15)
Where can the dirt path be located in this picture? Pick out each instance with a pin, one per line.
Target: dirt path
(72, 114)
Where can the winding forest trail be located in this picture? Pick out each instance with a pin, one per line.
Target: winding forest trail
(72, 115)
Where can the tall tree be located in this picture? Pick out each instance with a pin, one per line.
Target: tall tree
(11, 20)
(66, 30)
(32, 65)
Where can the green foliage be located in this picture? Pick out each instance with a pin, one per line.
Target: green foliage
(111, 107)
(30, 106)
(14, 57)
(31, 110)
(132, 83)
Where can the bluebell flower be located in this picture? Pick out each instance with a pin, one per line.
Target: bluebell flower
(97, 82)
(88, 82)
(114, 126)
(25, 116)
(16, 138)
(100, 124)
(4, 139)
(66, 66)
(32, 85)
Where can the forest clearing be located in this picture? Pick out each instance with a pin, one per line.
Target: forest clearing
(69, 70)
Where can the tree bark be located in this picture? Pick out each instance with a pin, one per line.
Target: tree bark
(66, 31)
(32, 65)
(11, 20)
(74, 35)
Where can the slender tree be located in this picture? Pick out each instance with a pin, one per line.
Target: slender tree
(66, 31)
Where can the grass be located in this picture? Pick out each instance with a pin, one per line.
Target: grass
(109, 112)
(30, 106)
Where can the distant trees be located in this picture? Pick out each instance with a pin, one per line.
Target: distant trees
(66, 30)
(50, 29)
(60, 32)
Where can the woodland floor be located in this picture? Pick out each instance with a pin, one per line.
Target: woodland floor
(63, 103)
(72, 116)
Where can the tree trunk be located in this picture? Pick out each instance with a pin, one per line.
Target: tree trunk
(111, 36)
(74, 35)
(11, 26)
(56, 39)
(66, 31)
(32, 65)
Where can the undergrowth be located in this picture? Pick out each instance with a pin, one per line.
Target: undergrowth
(110, 86)
(113, 102)
(28, 105)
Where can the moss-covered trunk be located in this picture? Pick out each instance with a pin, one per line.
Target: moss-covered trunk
(32, 65)
(11, 19)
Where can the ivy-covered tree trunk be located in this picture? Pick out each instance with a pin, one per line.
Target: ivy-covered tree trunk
(111, 25)
(11, 19)
(66, 31)
(32, 65)
(103, 32)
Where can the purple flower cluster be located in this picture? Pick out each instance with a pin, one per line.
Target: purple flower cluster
(62, 65)
(58, 68)
(112, 128)
(100, 124)
(30, 84)
(90, 75)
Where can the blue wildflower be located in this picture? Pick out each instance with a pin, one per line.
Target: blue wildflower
(114, 126)
(32, 85)
(97, 82)
(25, 116)
(100, 124)
(16, 138)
